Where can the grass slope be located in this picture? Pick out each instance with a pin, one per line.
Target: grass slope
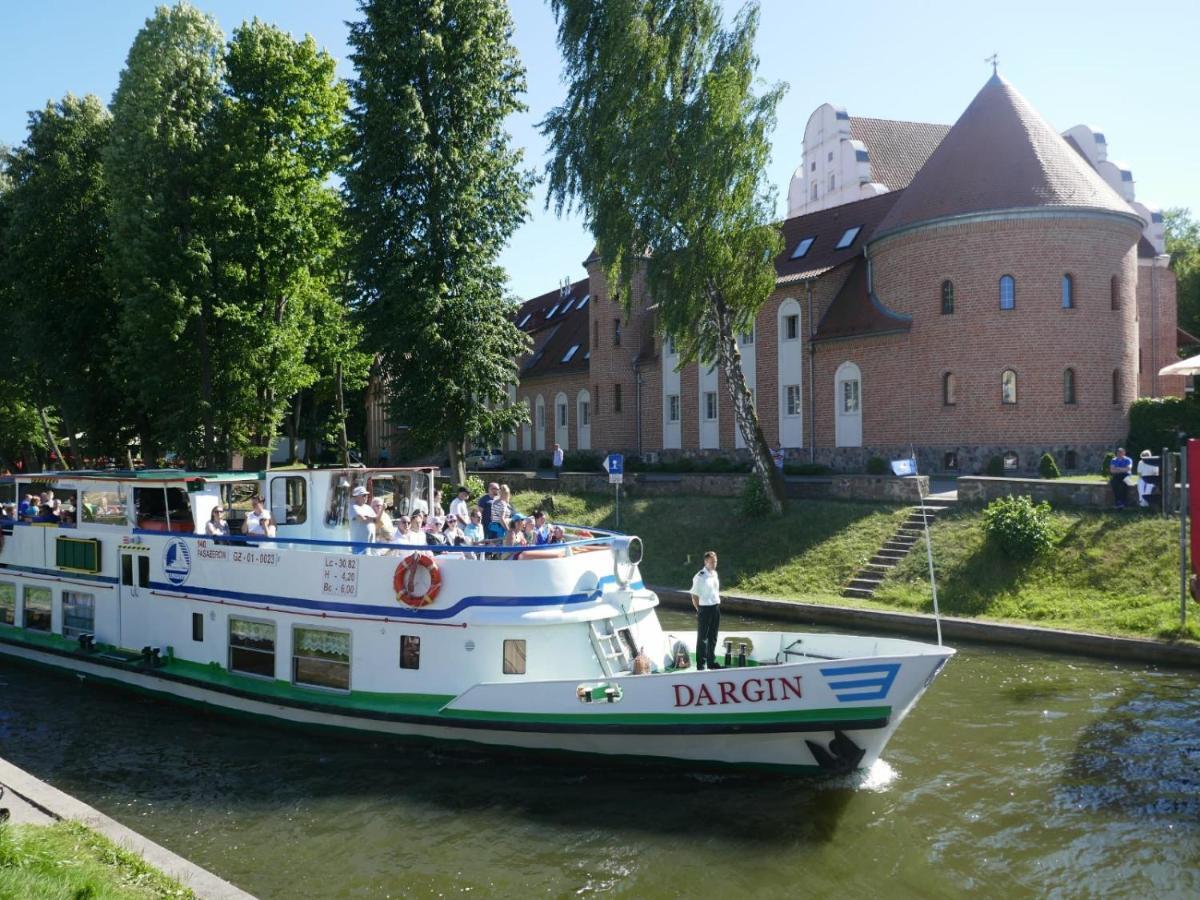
(67, 860)
(1109, 573)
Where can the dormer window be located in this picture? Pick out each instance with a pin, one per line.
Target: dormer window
(525, 320)
(570, 353)
(802, 247)
(567, 306)
(583, 302)
(848, 237)
(553, 310)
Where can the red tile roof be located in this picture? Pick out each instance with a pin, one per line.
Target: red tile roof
(1000, 155)
(857, 312)
(826, 227)
(898, 149)
(555, 332)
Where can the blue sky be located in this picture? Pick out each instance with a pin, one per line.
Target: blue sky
(1128, 69)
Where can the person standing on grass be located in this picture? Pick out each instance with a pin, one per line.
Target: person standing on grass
(1118, 471)
(706, 599)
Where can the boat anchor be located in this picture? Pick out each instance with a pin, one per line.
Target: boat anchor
(842, 756)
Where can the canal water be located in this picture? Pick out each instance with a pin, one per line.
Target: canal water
(1018, 774)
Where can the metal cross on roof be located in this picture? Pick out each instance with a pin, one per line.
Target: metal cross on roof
(994, 59)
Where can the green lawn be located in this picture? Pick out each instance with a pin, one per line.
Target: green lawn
(67, 860)
(1110, 573)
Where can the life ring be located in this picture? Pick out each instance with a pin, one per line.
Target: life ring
(404, 581)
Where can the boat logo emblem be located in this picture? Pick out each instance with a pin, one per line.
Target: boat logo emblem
(850, 683)
(177, 561)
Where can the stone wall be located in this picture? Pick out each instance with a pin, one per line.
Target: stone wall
(981, 490)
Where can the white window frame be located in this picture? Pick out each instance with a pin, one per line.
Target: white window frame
(710, 406)
(672, 407)
(792, 401)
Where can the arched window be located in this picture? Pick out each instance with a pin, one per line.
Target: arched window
(1008, 292)
(1068, 292)
(1116, 385)
(1114, 289)
(1069, 387)
(947, 297)
(1008, 386)
(949, 389)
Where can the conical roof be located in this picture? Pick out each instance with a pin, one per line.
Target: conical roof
(1001, 155)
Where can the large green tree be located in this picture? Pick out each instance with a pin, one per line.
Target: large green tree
(435, 189)
(161, 255)
(1183, 243)
(277, 137)
(59, 306)
(662, 144)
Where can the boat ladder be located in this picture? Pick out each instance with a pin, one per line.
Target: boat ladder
(610, 649)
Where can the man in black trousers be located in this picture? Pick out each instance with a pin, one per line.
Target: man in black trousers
(706, 598)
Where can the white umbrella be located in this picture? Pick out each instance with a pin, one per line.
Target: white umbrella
(1189, 366)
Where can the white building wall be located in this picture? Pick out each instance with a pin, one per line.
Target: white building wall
(672, 431)
(835, 168)
(710, 431)
(1119, 177)
(791, 372)
(749, 367)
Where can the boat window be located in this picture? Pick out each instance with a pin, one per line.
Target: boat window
(127, 568)
(289, 500)
(197, 626)
(339, 495)
(52, 501)
(143, 570)
(8, 603)
(321, 658)
(38, 605)
(393, 490)
(162, 508)
(8, 500)
(252, 647)
(79, 613)
(410, 651)
(103, 507)
(237, 497)
(514, 657)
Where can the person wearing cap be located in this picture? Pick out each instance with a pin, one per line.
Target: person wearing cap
(706, 599)
(460, 505)
(362, 519)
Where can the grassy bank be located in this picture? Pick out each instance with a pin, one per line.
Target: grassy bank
(67, 860)
(1109, 573)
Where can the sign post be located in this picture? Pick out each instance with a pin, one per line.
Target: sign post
(614, 464)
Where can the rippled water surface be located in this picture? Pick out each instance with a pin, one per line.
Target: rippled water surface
(1018, 774)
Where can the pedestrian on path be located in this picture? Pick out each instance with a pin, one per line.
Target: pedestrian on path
(706, 599)
(557, 460)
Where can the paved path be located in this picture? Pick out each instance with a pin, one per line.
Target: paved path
(33, 801)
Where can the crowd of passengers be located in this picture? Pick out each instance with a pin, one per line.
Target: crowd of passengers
(43, 507)
(492, 520)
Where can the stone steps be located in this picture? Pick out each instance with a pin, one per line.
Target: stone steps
(868, 578)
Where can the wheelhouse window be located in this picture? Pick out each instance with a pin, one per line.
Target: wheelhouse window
(514, 657)
(949, 389)
(8, 603)
(321, 658)
(1008, 292)
(947, 297)
(791, 328)
(163, 508)
(289, 500)
(79, 613)
(1008, 387)
(1068, 292)
(39, 605)
(252, 647)
(1069, 387)
(410, 651)
(792, 400)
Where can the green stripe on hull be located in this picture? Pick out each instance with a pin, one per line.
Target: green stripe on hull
(826, 714)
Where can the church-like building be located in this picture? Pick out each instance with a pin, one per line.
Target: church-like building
(990, 289)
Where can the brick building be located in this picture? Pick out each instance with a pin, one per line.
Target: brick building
(988, 289)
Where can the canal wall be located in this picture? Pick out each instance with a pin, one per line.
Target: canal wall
(922, 626)
(38, 803)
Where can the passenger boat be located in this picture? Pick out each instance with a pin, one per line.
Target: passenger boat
(518, 648)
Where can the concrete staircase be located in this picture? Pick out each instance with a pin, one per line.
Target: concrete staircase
(894, 549)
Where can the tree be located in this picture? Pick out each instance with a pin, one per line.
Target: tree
(160, 254)
(434, 190)
(60, 308)
(1183, 243)
(662, 144)
(277, 136)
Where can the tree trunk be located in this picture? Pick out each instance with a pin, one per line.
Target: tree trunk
(206, 383)
(51, 442)
(744, 414)
(458, 461)
(343, 441)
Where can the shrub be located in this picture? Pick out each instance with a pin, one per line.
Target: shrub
(543, 462)
(1156, 423)
(995, 467)
(474, 484)
(805, 469)
(685, 464)
(1047, 467)
(1108, 458)
(755, 502)
(719, 465)
(581, 461)
(1018, 526)
(876, 466)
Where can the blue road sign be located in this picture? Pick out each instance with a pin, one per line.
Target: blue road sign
(614, 463)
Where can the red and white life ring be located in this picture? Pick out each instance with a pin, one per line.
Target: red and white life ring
(411, 587)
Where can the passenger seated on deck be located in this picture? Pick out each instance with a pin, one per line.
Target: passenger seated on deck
(473, 530)
(257, 520)
(216, 526)
(557, 535)
(516, 534)
(66, 518)
(451, 532)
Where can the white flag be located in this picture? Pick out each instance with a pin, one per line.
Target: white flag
(904, 466)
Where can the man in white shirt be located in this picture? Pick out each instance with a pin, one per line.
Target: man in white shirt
(459, 507)
(362, 519)
(557, 460)
(706, 598)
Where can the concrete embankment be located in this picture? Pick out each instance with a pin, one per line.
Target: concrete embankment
(32, 801)
(1166, 653)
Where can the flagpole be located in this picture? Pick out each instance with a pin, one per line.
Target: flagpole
(937, 616)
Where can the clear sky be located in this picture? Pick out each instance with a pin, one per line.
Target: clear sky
(1129, 69)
